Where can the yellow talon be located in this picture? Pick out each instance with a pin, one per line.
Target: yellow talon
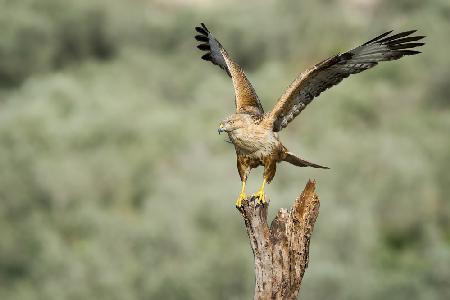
(242, 196)
(260, 195)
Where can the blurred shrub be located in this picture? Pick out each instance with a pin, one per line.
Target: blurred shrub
(43, 35)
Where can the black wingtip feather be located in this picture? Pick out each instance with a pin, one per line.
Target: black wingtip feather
(209, 42)
(409, 52)
(396, 40)
(201, 30)
(399, 44)
(406, 46)
(405, 40)
(402, 43)
(204, 27)
(378, 37)
(201, 38)
(204, 47)
(397, 36)
(207, 56)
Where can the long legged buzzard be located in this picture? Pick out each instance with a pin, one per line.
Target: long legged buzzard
(254, 133)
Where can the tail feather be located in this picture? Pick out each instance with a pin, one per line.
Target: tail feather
(297, 161)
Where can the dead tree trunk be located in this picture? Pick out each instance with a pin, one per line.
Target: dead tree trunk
(281, 251)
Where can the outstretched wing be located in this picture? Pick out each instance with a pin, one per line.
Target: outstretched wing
(331, 71)
(246, 99)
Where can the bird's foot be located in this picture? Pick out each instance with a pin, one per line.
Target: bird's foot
(241, 197)
(260, 197)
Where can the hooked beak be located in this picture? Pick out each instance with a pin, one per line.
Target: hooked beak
(221, 129)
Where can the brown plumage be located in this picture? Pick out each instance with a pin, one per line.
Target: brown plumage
(254, 133)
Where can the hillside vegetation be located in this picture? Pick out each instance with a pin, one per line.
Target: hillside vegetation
(115, 185)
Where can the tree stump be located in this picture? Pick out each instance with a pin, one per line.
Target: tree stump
(281, 252)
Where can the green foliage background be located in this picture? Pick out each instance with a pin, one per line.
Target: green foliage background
(115, 185)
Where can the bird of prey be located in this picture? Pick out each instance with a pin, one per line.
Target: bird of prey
(254, 133)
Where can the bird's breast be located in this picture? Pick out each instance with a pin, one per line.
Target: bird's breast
(254, 141)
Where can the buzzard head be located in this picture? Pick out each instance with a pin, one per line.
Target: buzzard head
(232, 123)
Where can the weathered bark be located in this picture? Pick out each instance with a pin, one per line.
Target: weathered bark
(281, 252)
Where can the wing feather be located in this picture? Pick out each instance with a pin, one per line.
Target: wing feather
(333, 70)
(246, 99)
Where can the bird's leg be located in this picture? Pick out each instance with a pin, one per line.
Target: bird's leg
(242, 195)
(260, 194)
